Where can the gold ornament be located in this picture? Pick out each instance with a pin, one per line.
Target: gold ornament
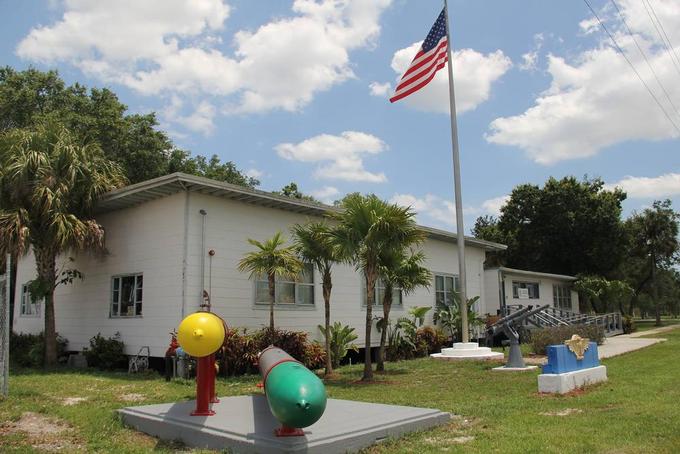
(577, 345)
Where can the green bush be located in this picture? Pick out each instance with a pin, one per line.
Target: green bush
(432, 338)
(341, 341)
(106, 353)
(28, 350)
(628, 323)
(556, 335)
(241, 349)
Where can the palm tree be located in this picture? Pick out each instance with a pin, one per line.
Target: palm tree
(365, 227)
(49, 184)
(399, 271)
(273, 261)
(313, 244)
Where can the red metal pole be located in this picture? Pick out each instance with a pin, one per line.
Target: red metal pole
(204, 376)
(213, 372)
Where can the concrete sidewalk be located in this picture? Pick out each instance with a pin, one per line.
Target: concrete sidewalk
(618, 345)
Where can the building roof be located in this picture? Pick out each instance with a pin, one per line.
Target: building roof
(562, 277)
(164, 186)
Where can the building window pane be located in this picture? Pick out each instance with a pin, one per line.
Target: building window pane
(29, 308)
(261, 291)
(562, 296)
(444, 285)
(525, 290)
(287, 292)
(305, 294)
(127, 295)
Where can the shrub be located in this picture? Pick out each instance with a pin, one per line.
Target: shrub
(241, 349)
(628, 323)
(341, 341)
(28, 350)
(432, 338)
(106, 353)
(556, 335)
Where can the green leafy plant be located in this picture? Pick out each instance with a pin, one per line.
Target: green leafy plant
(449, 317)
(418, 313)
(106, 353)
(340, 338)
(28, 350)
(432, 338)
(556, 335)
(628, 323)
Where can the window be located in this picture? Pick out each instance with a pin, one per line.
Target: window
(531, 291)
(443, 285)
(562, 296)
(29, 308)
(126, 295)
(287, 292)
(397, 297)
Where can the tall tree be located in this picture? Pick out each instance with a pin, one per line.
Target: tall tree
(654, 243)
(365, 227)
(274, 261)
(313, 243)
(49, 184)
(401, 271)
(566, 227)
(291, 190)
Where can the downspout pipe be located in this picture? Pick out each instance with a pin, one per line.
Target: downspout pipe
(202, 255)
(185, 253)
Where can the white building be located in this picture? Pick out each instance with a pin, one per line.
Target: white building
(150, 277)
(511, 287)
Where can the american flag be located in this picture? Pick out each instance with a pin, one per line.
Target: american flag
(431, 57)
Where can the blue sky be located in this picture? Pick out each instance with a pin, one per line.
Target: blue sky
(297, 90)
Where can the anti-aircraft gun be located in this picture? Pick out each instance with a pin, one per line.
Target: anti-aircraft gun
(509, 325)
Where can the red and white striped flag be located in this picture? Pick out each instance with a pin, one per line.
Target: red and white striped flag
(431, 57)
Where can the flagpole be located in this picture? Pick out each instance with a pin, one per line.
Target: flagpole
(460, 232)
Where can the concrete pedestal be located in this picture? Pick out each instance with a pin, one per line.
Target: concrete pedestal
(467, 350)
(568, 381)
(244, 424)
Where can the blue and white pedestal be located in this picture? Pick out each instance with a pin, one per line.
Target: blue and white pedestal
(565, 372)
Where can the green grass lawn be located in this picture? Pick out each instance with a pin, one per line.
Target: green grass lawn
(636, 411)
(646, 325)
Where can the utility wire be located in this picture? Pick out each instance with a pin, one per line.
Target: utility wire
(673, 58)
(658, 81)
(663, 30)
(632, 67)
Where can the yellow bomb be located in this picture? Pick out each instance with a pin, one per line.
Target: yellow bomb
(201, 334)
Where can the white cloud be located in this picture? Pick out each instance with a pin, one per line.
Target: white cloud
(327, 194)
(378, 89)
(473, 71)
(200, 120)
(493, 206)
(667, 185)
(438, 212)
(530, 59)
(254, 173)
(341, 156)
(169, 47)
(595, 100)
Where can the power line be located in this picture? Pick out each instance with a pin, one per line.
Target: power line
(663, 30)
(658, 81)
(673, 58)
(632, 67)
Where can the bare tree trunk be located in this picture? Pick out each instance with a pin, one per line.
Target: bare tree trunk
(371, 276)
(45, 259)
(272, 295)
(655, 293)
(327, 287)
(387, 305)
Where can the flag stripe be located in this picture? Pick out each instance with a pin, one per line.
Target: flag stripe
(433, 61)
(422, 59)
(407, 91)
(431, 57)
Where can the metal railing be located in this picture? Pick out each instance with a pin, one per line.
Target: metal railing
(611, 323)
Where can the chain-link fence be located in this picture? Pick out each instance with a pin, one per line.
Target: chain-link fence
(4, 328)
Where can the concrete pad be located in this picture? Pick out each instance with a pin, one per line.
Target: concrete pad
(568, 381)
(245, 424)
(614, 346)
(514, 369)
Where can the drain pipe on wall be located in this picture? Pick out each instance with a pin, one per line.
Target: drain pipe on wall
(185, 253)
(201, 290)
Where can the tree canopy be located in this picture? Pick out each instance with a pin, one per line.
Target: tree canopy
(96, 115)
(567, 227)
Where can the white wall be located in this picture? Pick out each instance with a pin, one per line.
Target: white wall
(149, 239)
(545, 291)
(144, 239)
